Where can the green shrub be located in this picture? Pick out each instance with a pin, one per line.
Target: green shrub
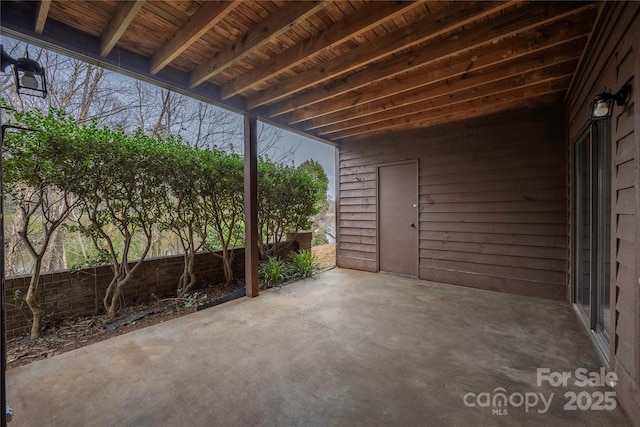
(303, 264)
(88, 261)
(272, 272)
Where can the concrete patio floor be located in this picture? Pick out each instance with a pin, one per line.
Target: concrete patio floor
(346, 349)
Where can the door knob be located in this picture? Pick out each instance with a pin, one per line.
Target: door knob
(412, 225)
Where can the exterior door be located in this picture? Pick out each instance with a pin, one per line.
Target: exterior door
(592, 230)
(398, 218)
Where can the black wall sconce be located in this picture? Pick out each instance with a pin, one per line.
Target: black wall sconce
(29, 75)
(602, 105)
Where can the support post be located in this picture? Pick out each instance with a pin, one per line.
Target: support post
(336, 191)
(4, 412)
(3, 334)
(251, 204)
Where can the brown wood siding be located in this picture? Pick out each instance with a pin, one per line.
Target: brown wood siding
(612, 60)
(493, 202)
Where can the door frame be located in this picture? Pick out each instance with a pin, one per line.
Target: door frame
(602, 342)
(416, 163)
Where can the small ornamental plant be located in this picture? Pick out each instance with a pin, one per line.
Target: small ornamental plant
(303, 264)
(274, 272)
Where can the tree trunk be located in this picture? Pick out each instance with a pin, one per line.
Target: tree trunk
(55, 257)
(188, 278)
(261, 250)
(115, 300)
(109, 293)
(79, 236)
(13, 248)
(227, 262)
(114, 295)
(182, 281)
(190, 274)
(156, 245)
(122, 275)
(37, 311)
(34, 306)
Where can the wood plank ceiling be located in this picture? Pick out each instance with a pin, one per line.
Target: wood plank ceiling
(344, 70)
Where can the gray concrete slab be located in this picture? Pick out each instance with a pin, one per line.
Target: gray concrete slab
(346, 349)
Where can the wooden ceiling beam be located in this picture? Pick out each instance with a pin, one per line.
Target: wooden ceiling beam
(427, 28)
(118, 24)
(347, 28)
(531, 64)
(547, 99)
(549, 38)
(41, 15)
(205, 18)
(509, 24)
(280, 21)
(514, 98)
(457, 95)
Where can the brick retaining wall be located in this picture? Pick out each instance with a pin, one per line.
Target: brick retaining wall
(65, 293)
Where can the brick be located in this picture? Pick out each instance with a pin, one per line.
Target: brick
(72, 294)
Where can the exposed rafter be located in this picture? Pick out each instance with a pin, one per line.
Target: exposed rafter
(351, 26)
(208, 16)
(485, 105)
(531, 63)
(545, 98)
(461, 91)
(427, 28)
(493, 31)
(335, 71)
(555, 38)
(118, 24)
(41, 15)
(276, 24)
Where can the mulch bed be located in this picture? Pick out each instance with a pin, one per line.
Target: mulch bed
(75, 332)
(71, 333)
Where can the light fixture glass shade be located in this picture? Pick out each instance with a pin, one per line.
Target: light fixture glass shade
(601, 109)
(29, 81)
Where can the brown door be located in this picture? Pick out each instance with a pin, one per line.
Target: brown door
(398, 218)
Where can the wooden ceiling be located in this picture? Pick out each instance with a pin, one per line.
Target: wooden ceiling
(336, 70)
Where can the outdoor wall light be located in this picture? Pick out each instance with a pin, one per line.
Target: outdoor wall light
(29, 75)
(602, 105)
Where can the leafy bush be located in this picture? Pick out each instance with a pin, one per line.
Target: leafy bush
(303, 264)
(288, 198)
(121, 191)
(272, 272)
(92, 260)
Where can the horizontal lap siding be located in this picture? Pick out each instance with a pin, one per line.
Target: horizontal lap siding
(357, 217)
(494, 212)
(626, 250)
(492, 200)
(612, 60)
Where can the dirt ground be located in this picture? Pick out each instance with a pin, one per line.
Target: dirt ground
(71, 333)
(326, 254)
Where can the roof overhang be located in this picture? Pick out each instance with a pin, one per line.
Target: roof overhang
(332, 71)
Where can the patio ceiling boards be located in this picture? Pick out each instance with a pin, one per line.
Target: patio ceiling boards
(334, 71)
